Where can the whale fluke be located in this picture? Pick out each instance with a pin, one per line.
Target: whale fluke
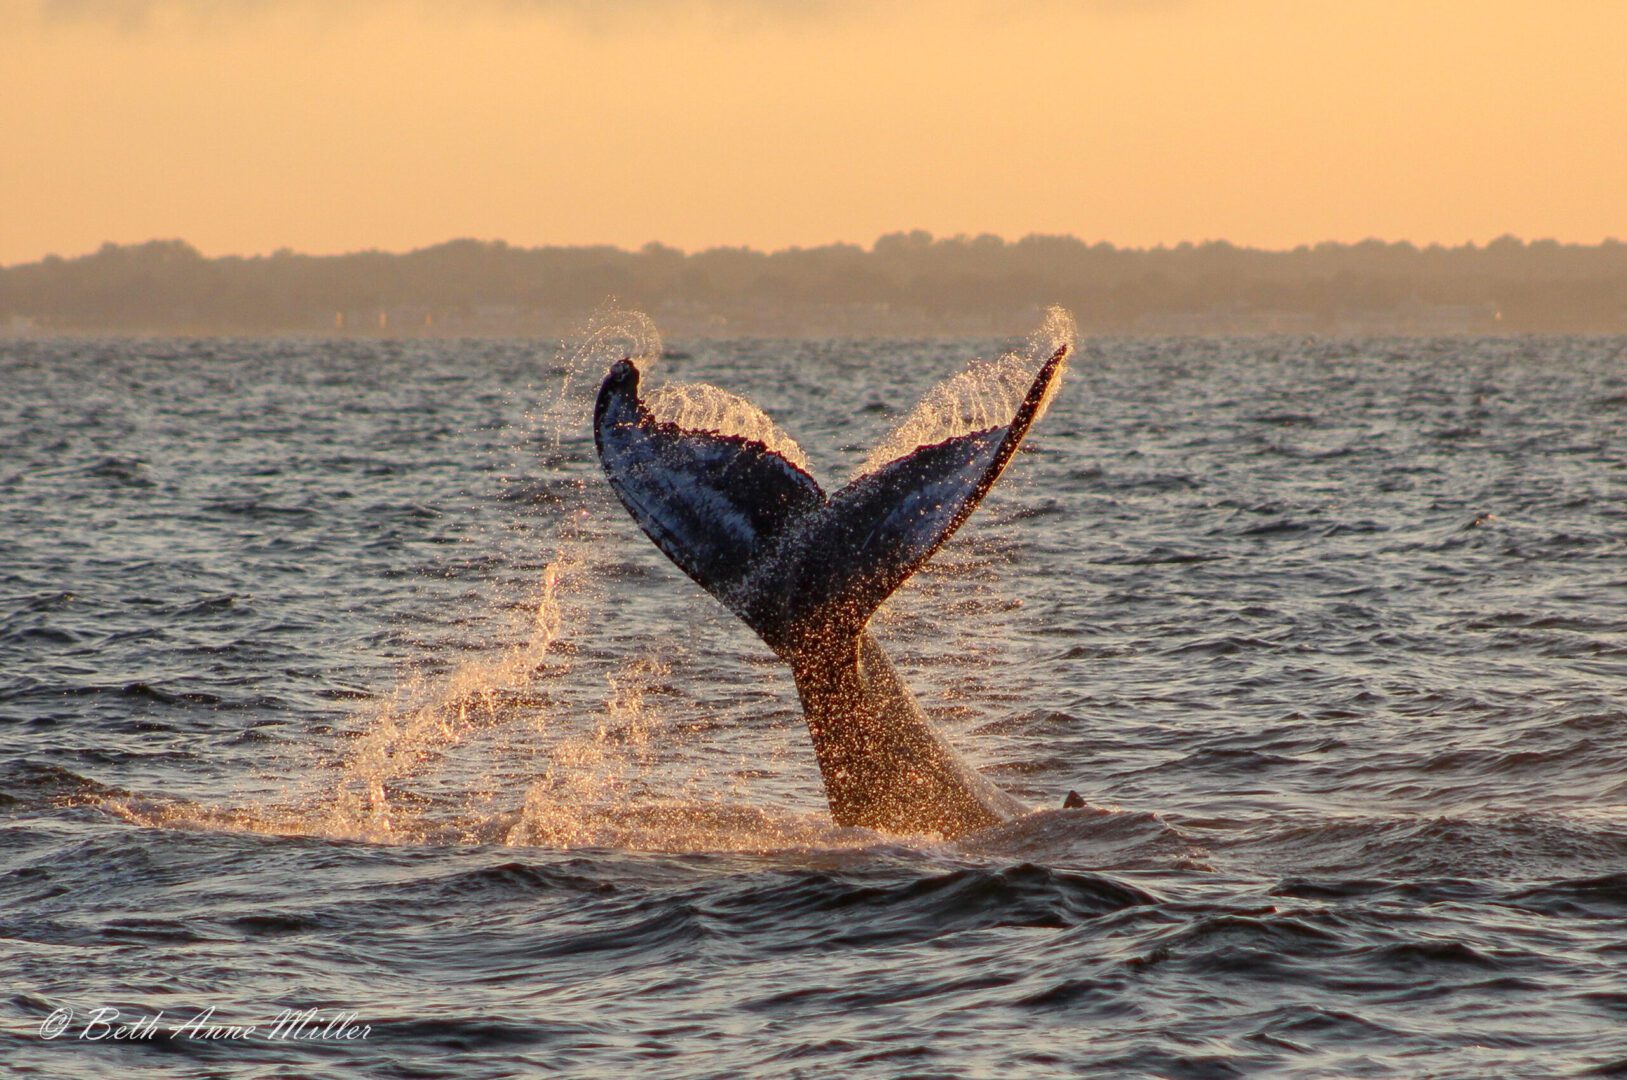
(712, 503)
(874, 533)
(806, 571)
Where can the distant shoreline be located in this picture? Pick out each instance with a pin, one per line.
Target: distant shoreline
(905, 285)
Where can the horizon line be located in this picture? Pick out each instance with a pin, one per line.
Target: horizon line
(913, 236)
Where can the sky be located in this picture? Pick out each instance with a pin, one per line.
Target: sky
(245, 126)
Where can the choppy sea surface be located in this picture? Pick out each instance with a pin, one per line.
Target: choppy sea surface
(332, 678)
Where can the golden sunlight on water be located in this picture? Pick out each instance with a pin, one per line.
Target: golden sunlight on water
(1327, 633)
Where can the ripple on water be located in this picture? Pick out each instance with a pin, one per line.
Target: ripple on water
(331, 680)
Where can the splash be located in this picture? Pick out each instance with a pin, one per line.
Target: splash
(985, 395)
(606, 788)
(615, 334)
(700, 407)
(569, 736)
(425, 718)
(446, 755)
(610, 335)
(590, 774)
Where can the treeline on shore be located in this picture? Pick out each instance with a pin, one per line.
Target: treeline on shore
(906, 283)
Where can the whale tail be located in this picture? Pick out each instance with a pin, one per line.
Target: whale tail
(806, 570)
(803, 569)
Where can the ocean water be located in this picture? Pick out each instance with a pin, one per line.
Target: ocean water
(335, 687)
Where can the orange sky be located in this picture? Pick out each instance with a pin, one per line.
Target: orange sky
(336, 125)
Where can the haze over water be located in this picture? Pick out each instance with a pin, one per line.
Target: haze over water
(331, 680)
